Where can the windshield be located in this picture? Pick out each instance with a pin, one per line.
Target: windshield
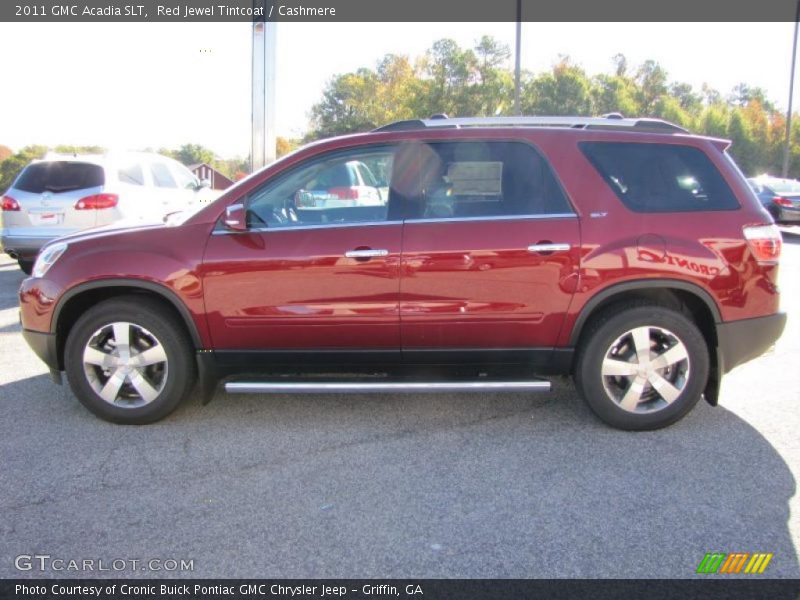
(59, 176)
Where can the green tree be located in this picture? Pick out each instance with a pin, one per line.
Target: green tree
(478, 81)
(714, 120)
(11, 166)
(69, 149)
(192, 154)
(450, 71)
(614, 94)
(563, 91)
(742, 94)
(743, 150)
(669, 108)
(652, 85)
(347, 105)
(686, 97)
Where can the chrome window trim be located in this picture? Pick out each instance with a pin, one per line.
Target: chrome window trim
(494, 218)
(306, 227)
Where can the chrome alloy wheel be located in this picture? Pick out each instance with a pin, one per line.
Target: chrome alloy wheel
(125, 364)
(645, 369)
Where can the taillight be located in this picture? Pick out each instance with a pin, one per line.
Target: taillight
(10, 204)
(97, 201)
(781, 201)
(764, 242)
(344, 193)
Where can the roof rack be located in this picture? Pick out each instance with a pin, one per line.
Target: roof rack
(609, 121)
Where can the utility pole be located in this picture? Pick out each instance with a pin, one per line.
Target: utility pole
(788, 141)
(517, 61)
(263, 92)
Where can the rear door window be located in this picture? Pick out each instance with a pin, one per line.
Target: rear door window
(161, 175)
(477, 180)
(132, 174)
(653, 178)
(59, 176)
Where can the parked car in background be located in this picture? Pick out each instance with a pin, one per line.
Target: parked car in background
(343, 184)
(63, 194)
(781, 197)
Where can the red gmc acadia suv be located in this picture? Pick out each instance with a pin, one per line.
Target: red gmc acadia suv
(427, 255)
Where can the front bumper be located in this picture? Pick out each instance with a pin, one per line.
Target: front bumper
(44, 345)
(744, 340)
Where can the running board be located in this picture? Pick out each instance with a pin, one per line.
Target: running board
(339, 387)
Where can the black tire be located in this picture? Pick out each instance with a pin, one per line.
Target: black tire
(151, 325)
(26, 266)
(606, 394)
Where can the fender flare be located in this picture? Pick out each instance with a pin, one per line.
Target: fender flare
(134, 284)
(640, 284)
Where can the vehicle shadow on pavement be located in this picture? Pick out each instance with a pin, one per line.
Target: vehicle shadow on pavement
(10, 279)
(502, 485)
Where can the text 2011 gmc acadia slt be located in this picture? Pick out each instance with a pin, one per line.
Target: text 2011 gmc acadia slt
(441, 254)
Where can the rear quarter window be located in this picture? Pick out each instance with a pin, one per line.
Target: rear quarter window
(59, 176)
(657, 178)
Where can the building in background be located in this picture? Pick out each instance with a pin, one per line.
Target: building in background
(205, 171)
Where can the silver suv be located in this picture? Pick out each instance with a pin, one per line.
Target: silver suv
(62, 194)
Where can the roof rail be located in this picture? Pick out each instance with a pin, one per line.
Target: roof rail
(610, 121)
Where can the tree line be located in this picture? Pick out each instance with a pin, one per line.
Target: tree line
(477, 82)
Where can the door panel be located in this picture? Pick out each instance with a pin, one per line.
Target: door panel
(296, 289)
(475, 284)
(318, 268)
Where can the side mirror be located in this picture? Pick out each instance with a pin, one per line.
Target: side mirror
(204, 183)
(235, 218)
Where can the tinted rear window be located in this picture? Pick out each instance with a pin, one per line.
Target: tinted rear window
(59, 176)
(661, 177)
(485, 179)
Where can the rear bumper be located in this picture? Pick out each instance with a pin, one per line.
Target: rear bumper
(787, 215)
(744, 340)
(23, 246)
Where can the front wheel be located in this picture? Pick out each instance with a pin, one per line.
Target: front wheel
(642, 366)
(128, 362)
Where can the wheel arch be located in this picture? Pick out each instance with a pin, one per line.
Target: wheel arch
(688, 298)
(79, 298)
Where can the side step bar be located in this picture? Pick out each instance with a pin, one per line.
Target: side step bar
(338, 387)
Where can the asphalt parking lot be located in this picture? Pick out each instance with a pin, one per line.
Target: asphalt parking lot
(502, 485)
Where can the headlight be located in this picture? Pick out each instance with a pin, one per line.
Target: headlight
(46, 258)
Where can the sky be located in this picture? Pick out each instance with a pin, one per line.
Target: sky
(139, 85)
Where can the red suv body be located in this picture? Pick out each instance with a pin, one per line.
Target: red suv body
(625, 252)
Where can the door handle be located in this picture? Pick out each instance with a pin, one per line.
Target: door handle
(549, 247)
(366, 253)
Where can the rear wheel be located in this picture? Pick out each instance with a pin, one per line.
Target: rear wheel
(128, 362)
(642, 366)
(26, 266)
